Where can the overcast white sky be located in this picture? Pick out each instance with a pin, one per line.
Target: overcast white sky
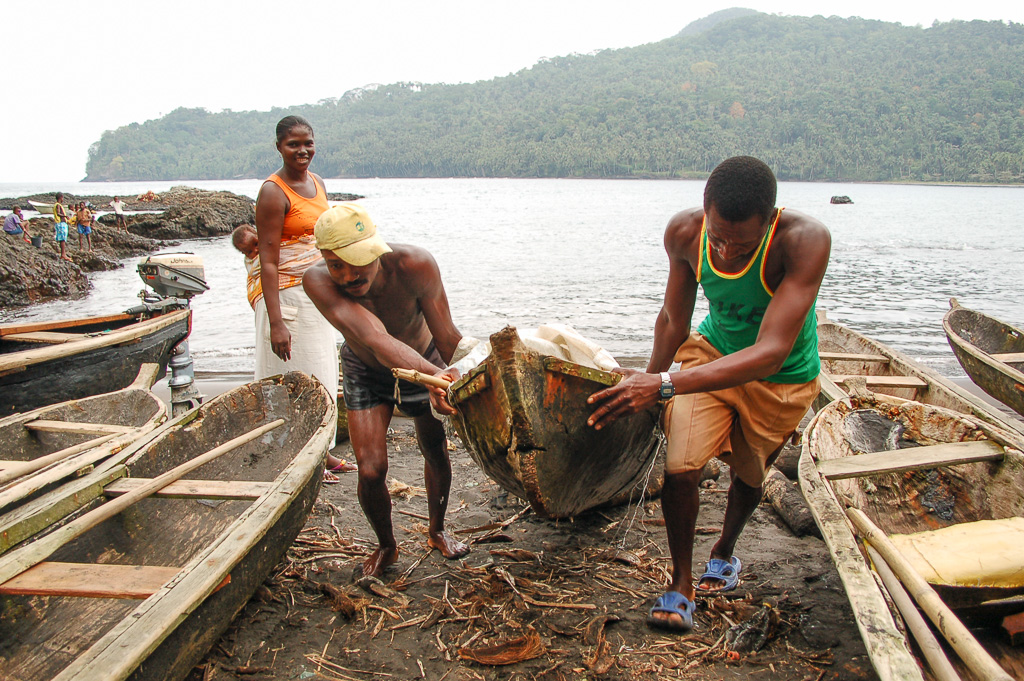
(132, 61)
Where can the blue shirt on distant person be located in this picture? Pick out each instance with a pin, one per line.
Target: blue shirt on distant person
(12, 224)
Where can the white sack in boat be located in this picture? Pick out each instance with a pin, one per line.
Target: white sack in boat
(556, 340)
(982, 553)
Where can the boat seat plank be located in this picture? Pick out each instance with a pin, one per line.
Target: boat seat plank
(78, 428)
(917, 458)
(89, 580)
(1009, 357)
(45, 337)
(884, 381)
(202, 489)
(852, 357)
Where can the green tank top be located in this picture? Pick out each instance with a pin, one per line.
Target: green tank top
(737, 303)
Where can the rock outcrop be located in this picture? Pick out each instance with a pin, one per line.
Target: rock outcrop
(32, 275)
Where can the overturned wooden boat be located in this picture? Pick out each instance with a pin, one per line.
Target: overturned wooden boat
(990, 351)
(523, 418)
(44, 447)
(946, 487)
(846, 354)
(145, 593)
(44, 363)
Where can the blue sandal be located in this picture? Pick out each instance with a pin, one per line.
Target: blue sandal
(728, 572)
(674, 603)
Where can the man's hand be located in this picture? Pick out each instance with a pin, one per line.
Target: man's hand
(635, 393)
(439, 396)
(281, 340)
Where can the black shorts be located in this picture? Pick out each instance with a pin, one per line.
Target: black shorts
(366, 387)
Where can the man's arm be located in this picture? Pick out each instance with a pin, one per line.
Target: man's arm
(672, 326)
(434, 303)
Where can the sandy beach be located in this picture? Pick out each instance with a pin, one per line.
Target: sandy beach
(567, 598)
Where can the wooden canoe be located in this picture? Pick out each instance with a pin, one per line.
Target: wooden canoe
(146, 593)
(939, 469)
(44, 447)
(847, 354)
(43, 363)
(523, 418)
(990, 351)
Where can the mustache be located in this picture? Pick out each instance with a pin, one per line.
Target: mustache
(355, 284)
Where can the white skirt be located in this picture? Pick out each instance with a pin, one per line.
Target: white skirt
(314, 349)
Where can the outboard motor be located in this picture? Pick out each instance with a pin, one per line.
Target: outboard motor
(174, 278)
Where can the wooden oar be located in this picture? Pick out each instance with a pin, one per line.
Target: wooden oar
(33, 465)
(930, 648)
(945, 620)
(19, 560)
(421, 378)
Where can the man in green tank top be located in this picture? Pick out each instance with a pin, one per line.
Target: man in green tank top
(745, 378)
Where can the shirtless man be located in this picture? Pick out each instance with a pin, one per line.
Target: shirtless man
(390, 305)
(748, 375)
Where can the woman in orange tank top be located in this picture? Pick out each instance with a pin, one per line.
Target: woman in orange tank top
(291, 334)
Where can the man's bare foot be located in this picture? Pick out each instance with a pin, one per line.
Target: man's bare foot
(449, 546)
(378, 561)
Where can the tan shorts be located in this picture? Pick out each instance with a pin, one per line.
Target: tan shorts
(743, 426)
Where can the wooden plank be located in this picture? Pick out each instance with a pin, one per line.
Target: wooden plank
(17, 561)
(1009, 357)
(78, 428)
(884, 381)
(31, 327)
(89, 580)
(45, 337)
(9, 470)
(852, 357)
(916, 458)
(202, 489)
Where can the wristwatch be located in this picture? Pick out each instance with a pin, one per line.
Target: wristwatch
(667, 390)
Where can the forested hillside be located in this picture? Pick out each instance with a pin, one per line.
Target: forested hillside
(817, 98)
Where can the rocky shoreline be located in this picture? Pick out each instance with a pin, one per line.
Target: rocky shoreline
(34, 275)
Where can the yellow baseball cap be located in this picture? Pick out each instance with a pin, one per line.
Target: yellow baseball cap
(348, 231)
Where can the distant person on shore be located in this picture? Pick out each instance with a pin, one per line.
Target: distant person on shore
(60, 228)
(84, 225)
(291, 335)
(118, 205)
(15, 225)
(745, 378)
(390, 305)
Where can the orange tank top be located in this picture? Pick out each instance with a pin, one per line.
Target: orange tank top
(302, 212)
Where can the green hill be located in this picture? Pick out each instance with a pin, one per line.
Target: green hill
(817, 98)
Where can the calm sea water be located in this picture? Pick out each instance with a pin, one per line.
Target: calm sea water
(589, 253)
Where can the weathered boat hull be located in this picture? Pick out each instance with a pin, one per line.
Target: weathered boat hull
(975, 337)
(103, 355)
(522, 416)
(923, 496)
(931, 387)
(44, 447)
(224, 545)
